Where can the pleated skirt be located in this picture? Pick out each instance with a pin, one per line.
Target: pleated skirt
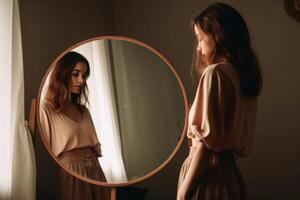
(84, 162)
(221, 181)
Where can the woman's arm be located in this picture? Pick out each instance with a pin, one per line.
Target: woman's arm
(97, 146)
(45, 123)
(198, 166)
(207, 125)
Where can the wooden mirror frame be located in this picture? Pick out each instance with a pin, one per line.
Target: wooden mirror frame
(36, 119)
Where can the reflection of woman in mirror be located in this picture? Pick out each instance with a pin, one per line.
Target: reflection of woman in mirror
(69, 130)
(223, 115)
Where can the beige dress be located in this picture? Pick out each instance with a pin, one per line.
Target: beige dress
(225, 122)
(76, 145)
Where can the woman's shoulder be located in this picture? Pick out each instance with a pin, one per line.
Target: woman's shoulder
(217, 67)
(221, 71)
(46, 105)
(85, 111)
(84, 108)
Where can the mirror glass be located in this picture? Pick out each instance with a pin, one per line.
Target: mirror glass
(137, 108)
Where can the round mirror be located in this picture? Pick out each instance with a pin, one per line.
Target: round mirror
(123, 103)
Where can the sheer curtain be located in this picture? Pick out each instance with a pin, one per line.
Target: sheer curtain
(103, 109)
(17, 169)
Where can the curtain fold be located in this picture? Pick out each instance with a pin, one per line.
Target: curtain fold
(5, 100)
(17, 170)
(103, 109)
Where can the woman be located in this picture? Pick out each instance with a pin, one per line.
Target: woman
(68, 128)
(222, 117)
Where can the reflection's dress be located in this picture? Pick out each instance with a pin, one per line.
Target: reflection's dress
(76, 145)
(225, 122)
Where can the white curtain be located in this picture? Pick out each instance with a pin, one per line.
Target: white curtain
(17, 169)
(103, 109)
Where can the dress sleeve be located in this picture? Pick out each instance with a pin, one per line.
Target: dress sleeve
(209, 109)
(97, 146)
(45, 124)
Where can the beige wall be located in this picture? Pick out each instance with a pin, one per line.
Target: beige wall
(272, 171)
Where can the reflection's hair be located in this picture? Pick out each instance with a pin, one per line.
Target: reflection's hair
(59, 92)
(232, 44)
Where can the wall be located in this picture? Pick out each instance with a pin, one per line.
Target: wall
(272, 171)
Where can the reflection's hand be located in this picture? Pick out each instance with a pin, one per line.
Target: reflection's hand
(97, 150)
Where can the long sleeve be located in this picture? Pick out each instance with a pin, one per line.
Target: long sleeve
(209, 113)
(45, 124)
(97, 147)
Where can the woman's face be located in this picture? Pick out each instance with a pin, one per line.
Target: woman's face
(206, 43)
(78, 78)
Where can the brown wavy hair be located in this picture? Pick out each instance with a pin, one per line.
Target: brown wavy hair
(58, 92)
(232, 44)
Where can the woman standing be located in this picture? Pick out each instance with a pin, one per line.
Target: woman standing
(223, 115)
(69, 131)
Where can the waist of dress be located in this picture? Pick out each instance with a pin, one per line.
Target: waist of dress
(223, 155)
(79, 153)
